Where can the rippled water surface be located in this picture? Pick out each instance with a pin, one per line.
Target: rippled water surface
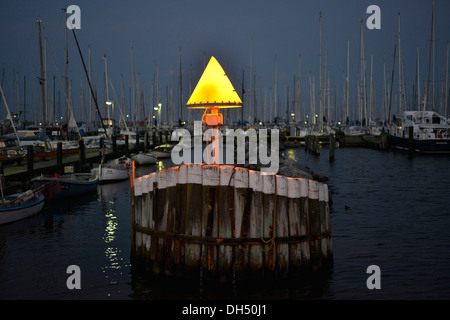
(388, 210)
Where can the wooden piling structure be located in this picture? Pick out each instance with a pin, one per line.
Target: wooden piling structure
(30, 158)
(332, 146)
(410, 141)
(226, 220)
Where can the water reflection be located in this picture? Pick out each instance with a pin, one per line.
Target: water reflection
(115, 265)
(111, 225)
(292, 154)
(148, 286)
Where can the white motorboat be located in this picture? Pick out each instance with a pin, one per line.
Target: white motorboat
(114, 170)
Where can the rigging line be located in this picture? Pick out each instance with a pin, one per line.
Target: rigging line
(60, 81)
(89, 81)
(120, 106)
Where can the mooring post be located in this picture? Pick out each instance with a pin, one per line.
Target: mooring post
(114, 145)
(411, 141)
(145, 141)
(30, 159)
(332, 142)
(59, 156)
(137, 142)
(102, 143)
(82, 153)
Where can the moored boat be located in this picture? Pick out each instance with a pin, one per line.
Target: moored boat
(114, 170)
(68, 185)
(142, 159)
(162, 151)
(20, 206)
(430, 133)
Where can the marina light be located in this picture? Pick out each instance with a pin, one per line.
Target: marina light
(214, 91)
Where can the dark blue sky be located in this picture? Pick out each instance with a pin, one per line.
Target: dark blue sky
(156, 29)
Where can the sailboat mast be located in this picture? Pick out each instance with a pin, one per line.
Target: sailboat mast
(418, 79)
(250, 108)
(41, 82)
(320, 74)
(275, 90)
(433, 55)
(446, 84)
(298, 111)
(347, 95)
(89, 82)
(430, 62)
(399, 69)
(133, 89)
(180, 88)
(361, 68)
(66, 64)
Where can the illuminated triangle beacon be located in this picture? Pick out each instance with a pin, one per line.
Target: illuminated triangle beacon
(214, 91)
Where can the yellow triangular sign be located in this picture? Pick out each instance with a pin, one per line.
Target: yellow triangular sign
(214, 89)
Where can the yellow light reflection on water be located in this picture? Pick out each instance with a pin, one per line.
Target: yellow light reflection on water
(160, 165)
(111, 226)
(292, 155)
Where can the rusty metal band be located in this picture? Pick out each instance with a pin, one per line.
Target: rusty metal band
(229, 241)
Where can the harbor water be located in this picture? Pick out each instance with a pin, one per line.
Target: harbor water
(388, 210)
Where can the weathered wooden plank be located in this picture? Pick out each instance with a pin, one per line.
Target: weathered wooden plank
(225, 223)
(171, 199)
(210, 183)
(256, 255)
(304, 223)
(240, 185)
(294, 205)
(160, 218)
(192, 253)
(269, 207)
(282, 226)
(314, 224)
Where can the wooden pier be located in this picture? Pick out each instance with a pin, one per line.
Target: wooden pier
(81, 158)
(220, 221)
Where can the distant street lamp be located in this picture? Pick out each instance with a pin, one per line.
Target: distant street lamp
(110, 103)
(158, 108)
(159, 114)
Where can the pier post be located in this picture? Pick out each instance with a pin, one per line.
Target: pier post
(59, 156)
(153, 138)
(411, 141)
(102, 143)
(82, 153)
(316, 145)
(30, 159)
(114, 145)
(127, 149)
(145, 141)
(332, 146)
(137, 142)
